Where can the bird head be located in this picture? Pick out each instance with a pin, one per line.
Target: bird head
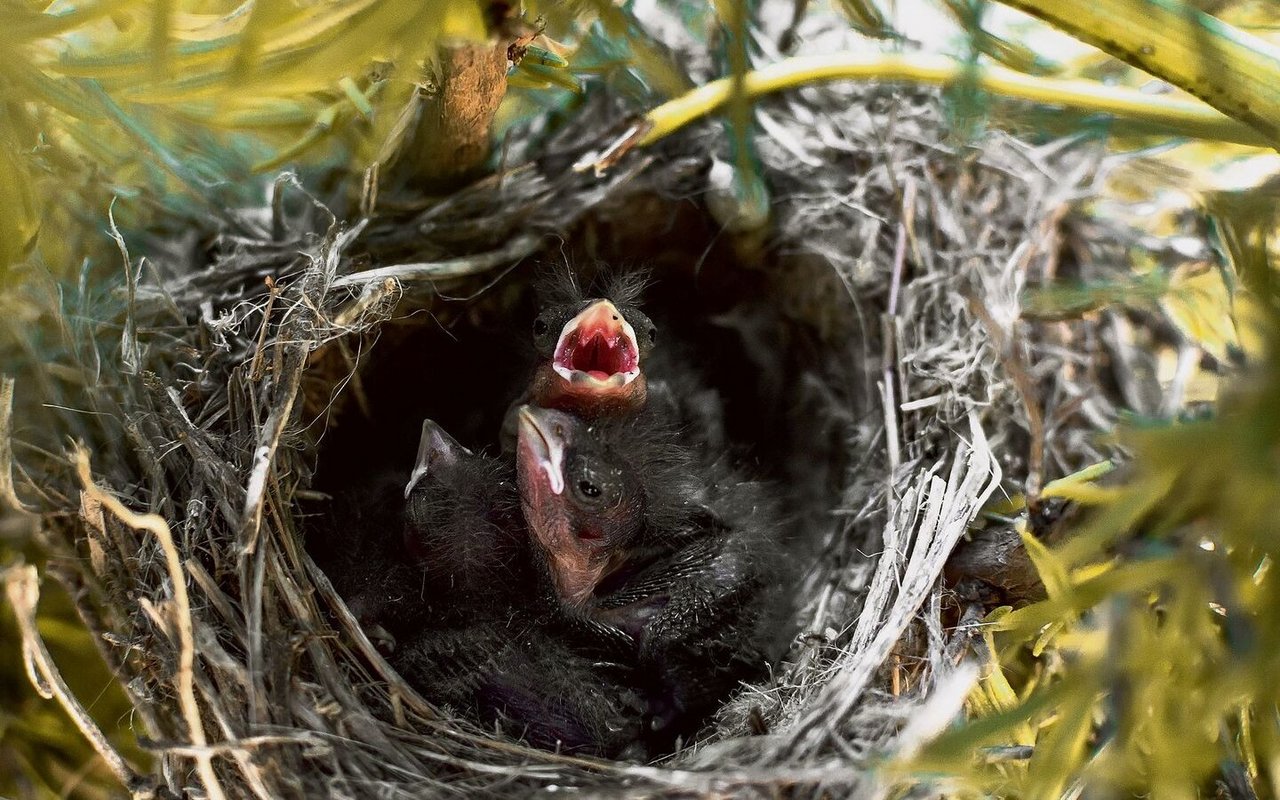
(591, 349)
(461, 523)
(581, 501)
(439, 455)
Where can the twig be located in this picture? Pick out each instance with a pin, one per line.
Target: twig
(243, 760)
(255, 370)
(8, 494)
(372, 296)
(182, 617)
(1014, 361)
(287, 382)
(446, 269)
(130, 351)
(887, 331)
(244, 745)
(599, 161)
(1187, 117)
(252, 588)
(900, 244)
(452, 139)
(1188, 359)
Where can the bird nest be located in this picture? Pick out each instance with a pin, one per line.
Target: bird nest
(866, 341)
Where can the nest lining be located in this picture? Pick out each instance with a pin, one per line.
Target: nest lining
(216, 423)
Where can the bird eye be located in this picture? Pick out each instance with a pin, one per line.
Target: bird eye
(595, 487)
(653, 335)
(540, 326)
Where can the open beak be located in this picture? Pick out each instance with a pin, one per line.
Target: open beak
(541, 447)
(597, 348)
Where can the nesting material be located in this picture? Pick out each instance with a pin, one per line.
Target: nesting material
(876, 321)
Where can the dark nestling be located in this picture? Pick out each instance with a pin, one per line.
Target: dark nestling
(642, 533)
(420, 545)
(439, 565)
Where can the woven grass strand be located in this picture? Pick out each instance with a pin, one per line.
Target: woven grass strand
(180, 619)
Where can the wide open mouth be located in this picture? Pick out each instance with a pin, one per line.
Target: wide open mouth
(598, 347)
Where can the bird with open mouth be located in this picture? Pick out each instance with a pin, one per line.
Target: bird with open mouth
(590, 349)
(637, 532)
(596, 357)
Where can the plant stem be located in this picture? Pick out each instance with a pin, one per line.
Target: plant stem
(452, 140)
(1231, 70)
(1178, 116)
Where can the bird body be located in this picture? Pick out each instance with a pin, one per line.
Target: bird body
(366, 564)
(428, 547)
(646, 536)
(483, 640)
(519, 673)
(462, 527)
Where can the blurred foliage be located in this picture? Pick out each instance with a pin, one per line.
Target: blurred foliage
(173, 104)
(1150, 668)
(1226, 67)
(178, 105)
(1173, 198)
(42, 755)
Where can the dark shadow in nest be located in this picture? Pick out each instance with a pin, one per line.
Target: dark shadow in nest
(787, 386)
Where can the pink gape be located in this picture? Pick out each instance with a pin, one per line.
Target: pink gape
(595, 366)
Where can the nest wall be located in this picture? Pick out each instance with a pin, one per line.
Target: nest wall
(873, 319)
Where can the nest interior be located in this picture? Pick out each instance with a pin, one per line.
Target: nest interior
(461, 361)
(859, 373)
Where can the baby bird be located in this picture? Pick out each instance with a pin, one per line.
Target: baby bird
(515, 671)
(597, 358)
(366, 562)
(473, 633)
(590, 349)
(636, 532)
(462, 527)
(423, 550)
